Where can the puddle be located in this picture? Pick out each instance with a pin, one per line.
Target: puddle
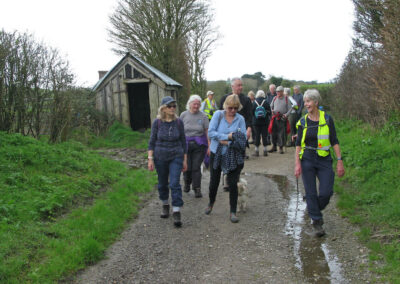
(312, 256)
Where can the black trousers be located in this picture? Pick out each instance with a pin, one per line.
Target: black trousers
(261, 132)
(279, 132)
(232, 177)
(195, 157)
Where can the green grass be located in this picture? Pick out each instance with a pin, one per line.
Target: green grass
(370, 190)
(60, 207)
(118, 136)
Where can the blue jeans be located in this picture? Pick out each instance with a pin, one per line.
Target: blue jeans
(170, 170)
(317, 167)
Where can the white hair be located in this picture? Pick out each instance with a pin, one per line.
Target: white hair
(313, 95)
(260, 94)
(286, 91)
(192, 98)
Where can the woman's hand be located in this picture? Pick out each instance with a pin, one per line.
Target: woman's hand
(184, 166)
(208, 151)
(150, 164)
(297, 170)
(340, 168)
(224, 142)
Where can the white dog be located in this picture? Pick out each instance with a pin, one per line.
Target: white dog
(243, 197)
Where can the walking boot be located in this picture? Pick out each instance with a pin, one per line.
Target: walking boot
(318, 230)
(281, 150)
(265, 154)
(256, 153)
(234, 218)
(273, 149)
(197, 193)
(208, 209)
(165, 211)
(177, 219)
(186, 187)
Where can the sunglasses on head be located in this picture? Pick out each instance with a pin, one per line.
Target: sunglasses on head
(171, 106)
(233, 108)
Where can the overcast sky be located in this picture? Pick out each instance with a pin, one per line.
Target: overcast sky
(297, 39)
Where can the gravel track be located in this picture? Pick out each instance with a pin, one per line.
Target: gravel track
(272, 243)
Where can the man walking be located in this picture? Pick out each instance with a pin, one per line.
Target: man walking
(281, 108)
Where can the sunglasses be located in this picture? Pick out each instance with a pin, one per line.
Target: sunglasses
(171, 106)
(233, 108)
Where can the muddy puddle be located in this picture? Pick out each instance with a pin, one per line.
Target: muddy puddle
(312, 256)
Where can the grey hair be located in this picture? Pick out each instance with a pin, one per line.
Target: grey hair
(272, 85)
(313, 94)
(192, 98)
(235, 79)
(260, 94)
(286, 91)
(296, 87)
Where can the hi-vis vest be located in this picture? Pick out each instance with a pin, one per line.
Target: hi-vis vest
(209, 107)
(324, 143)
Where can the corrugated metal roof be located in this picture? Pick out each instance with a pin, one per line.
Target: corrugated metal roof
(167, 80)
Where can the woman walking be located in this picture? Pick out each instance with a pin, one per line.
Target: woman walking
(196, 128)
(227, 133)
(316, 135)
(262, 114)
(167, 153)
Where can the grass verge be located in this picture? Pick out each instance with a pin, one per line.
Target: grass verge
(60, 207)
(370, 191)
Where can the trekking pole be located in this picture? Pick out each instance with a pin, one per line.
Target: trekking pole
(297, 185)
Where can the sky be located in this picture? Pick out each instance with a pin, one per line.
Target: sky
(297, 39)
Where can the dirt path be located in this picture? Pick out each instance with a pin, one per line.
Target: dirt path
(272, 243)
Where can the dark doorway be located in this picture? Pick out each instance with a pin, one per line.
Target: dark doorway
(139, 106)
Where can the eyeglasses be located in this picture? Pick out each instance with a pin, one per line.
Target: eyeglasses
(233, 108)
(171, 106)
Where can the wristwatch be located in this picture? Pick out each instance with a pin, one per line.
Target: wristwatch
(339, 158)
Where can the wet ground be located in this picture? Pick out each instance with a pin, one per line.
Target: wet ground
(272, 243)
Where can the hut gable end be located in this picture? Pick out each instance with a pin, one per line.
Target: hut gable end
(132, 90)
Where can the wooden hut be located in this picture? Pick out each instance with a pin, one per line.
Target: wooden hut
(132, 91)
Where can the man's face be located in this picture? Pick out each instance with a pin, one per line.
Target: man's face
(237, 87)
(272, 89)
(279, 94)
(296, 91)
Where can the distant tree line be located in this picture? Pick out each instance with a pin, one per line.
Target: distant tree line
(368, 86)
(37, 95)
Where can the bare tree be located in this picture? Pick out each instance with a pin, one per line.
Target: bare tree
(164, 33)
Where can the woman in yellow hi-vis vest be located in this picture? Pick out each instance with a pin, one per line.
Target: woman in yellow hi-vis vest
(209, 106)
(316, 134)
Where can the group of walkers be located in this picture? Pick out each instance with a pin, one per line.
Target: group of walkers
(220, 136)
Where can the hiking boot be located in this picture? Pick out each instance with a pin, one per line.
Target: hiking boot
(177, 219)
(265, 153)
(234, 218)
(165, 211)
(318, 230)
(209, 209)
(186, 188)
(273, 149)
(256, 154)
(281, 150)
(197, 193)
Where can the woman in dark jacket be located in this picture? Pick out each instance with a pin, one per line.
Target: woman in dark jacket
(315, 137)
(261, 115)
(167, 153)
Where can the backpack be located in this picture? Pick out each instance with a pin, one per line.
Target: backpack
(260, 110)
